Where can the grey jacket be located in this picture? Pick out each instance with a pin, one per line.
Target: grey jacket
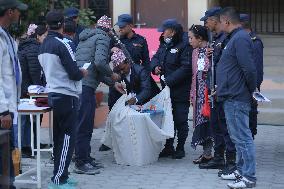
(94, 48)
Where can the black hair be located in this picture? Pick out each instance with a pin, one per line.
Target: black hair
(177, 37)
(231, 13)
(70, 26)
(3, 12)
(40, 30)
(199, 32)
(246, 25)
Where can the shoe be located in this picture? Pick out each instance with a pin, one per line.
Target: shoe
(201, 159)
(86, 168)
(167, 152)
(231, 176)
(104, 148)
(241, 183)
(26, 152)
(227, 169)
(96, 164)
(72, 181)
(178, 154)
(61, 186)
(214, 163)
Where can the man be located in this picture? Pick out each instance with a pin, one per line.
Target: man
(173, 61)
(222, 140)
(258, 60)
(137, 79)
(63, 84)
(137, 47)
(10, 74)
(93, 48)
(72, 13)
(236, 81)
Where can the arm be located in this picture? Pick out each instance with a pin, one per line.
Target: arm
(184, 70)
(25, 73)
(4, 110)
(145, 56)
(259, 61)
(108, 81)
(102, 55)
(34, 68)
(155, 61)
(244, 54)
(145, 84)
(69, 63)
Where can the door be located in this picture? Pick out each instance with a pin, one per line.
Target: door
(151, 13)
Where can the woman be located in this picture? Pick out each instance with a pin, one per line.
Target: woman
(202, 134)
(172, 62)
(31, 75)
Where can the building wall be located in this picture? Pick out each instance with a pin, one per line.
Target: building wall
(121, 7)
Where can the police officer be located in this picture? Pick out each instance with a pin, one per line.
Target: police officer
(222, 140)
(173, 61)
(258, 60)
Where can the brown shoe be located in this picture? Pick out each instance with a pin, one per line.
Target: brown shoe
(201, 159)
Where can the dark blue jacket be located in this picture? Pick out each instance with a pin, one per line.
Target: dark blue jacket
(236, 72)
(176, 63)
(138, 49)
(142, 84)
(258, 57)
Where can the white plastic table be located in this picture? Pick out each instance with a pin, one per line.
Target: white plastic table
(27, 109)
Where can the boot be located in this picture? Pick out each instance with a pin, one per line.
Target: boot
(179, 153)
(169, 150)
(217, 162)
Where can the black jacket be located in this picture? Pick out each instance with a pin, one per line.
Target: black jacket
(176, 63)
(30, 66)
(236, 72)
(141, 83)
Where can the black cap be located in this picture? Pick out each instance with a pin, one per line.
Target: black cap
(8, 4)
(169, 23)
(244, 17)
(55, 19)
(211, 12)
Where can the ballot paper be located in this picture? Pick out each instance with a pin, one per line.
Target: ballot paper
(86, 65)
(260, 97)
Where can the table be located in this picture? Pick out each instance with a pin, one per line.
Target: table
(40, 95)
(5, 145)
(27, 109)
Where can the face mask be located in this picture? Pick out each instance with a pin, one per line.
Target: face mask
(168, 40)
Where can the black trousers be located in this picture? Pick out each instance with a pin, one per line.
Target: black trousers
(65, 110)
(253, 118)
(180, 117)
(12, 175)
(222, 140)
(85, 125)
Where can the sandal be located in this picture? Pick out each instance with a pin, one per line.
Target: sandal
(201, 159)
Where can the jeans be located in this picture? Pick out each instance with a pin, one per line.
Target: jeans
(237, 116)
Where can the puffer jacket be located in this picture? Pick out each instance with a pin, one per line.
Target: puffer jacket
(94, 48)
(31, 69)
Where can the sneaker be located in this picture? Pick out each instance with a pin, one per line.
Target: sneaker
(86, 168)
(241, 183)
(72, 181)
(214, 163)
(231, 176)
(96, 164)
(228, 169)
(61, 186)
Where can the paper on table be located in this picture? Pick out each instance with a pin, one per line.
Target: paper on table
(260, 97)
(86, 65)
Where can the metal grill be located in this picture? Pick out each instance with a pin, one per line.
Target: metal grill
(266, 16)
(100, 7)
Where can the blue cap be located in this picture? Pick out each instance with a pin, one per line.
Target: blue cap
(211, 12)
(169, 23)
(244, 17)
(71, 12)
(124, 19)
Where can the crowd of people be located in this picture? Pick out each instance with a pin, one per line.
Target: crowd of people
(214, 67)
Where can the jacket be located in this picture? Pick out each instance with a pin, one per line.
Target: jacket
(30, 66)
(236, 72)
(176, 63)
(9, 90)
(59, 65)
(94, 48)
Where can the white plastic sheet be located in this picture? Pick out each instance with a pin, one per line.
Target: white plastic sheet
(133, 136)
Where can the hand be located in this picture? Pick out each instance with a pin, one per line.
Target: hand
(131, 101)
(6, 121)
(209, 52)
(158, 70)
(115, 77)
(119, 88)
(84, 72)
(114, 49)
